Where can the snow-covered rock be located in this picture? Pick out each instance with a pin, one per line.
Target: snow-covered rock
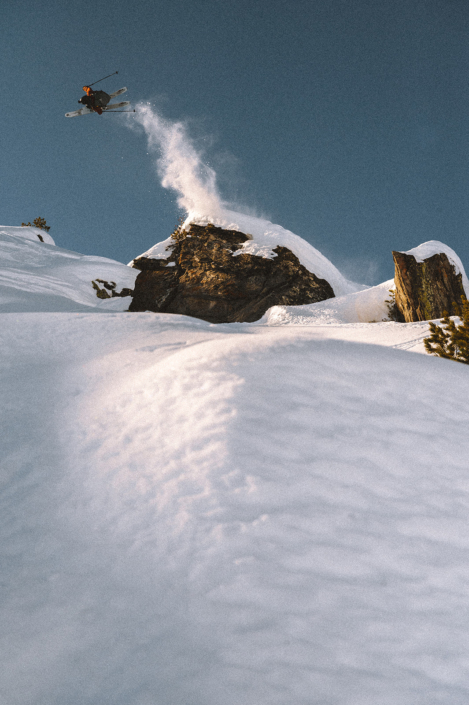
(434, 247)
(209, 281)
(263, 238)
(429, 279)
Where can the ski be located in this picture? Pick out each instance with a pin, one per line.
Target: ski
(119, 92)
(82, 111)
(113, 106)
(87, 111)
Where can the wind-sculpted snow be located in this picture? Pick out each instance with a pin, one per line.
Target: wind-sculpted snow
(230, 514)
(36, 276)
(27, 233)
(369, 305)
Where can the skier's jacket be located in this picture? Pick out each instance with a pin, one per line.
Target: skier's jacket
(96, 99)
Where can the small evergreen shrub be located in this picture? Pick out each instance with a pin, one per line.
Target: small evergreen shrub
(101, 293)
(178, 233)
(393, 312)
(37, 223)
(451, 340)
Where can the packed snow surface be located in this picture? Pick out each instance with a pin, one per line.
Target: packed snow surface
(198, 514)
(265, 236)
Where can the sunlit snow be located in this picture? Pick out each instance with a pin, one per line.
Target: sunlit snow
(37, 276)
(199, 514)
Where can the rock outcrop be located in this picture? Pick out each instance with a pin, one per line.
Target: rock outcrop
(205, 278)
(108, 290)
(426, 289)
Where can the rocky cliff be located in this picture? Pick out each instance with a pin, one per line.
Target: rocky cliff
(426, 289)
(205, 277)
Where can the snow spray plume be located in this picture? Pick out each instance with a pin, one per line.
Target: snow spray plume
(179, 164)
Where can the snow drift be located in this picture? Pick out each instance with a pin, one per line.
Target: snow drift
(27, 233)
(38, 276)
(229, 514)
(257, 513)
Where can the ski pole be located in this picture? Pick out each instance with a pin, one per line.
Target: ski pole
(119, 111)
(102, 79)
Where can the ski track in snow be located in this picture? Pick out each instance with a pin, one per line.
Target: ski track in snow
(195, 514)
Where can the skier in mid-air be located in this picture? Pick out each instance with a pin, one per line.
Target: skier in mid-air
(98, 101)
(95, 100)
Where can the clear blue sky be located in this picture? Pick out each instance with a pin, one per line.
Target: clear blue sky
(345, 121)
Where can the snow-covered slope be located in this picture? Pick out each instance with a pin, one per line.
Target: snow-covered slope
(204, 514)
(27, 233)
(38, 276)
(259, 513)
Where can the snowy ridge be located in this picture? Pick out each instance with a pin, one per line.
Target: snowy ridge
(27, 232)
(434, 247)
(38, 276)
(265, 237)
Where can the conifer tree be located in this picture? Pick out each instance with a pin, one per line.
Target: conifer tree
(41, 223)
(393, 312)
(451, 340)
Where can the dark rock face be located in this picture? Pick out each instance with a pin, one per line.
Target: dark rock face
(424, 290)
(108, 290)
(202, 278)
